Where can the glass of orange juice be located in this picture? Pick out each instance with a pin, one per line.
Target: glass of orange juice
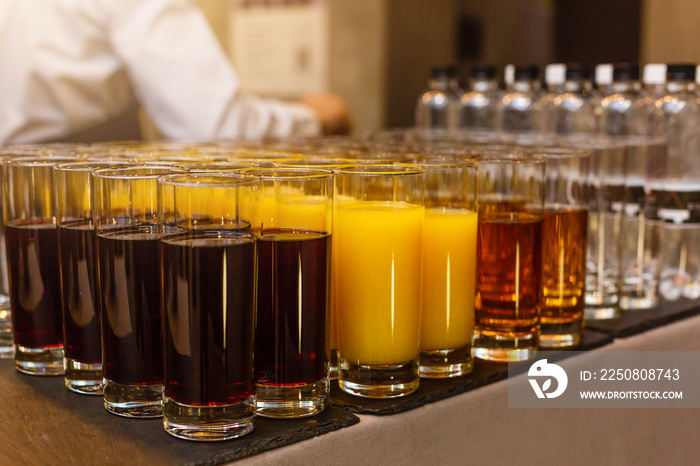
(379, 230)
(449, 267)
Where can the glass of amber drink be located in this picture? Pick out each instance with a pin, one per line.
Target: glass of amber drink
(379, 229)
(208, 261)
(564, 239)
(508, 256)
(449, 255)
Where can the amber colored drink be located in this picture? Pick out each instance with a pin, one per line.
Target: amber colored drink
(508, 277)
(564, 235)
(130, 294)
(291, 341)
(35, 296)
(81, 322)
(209, 312)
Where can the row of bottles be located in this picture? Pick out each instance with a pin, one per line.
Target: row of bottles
(615, 102)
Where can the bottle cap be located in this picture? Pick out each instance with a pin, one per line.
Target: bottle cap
(443, 72)
(577, 72)
(603, 74)
(654, 73)
(526, 72)
(625, 72)
(554, 74)
(680, 72)
(483, 72)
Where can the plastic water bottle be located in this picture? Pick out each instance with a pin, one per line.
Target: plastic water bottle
(676, 197)
(478, 105)
(574, 108)
(625, 109)
(437, 107)
(519, 108)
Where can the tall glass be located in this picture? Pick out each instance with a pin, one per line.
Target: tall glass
(379, 229)
(449, 266)
(641, 232)
(508, 256)
(128, 232)
(31, 240)
(564, 240)
(209, 292)
(292, 354)
(77, 259)
(606, 208)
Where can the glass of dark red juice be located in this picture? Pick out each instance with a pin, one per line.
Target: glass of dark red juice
(209, 290)
(128, 233)
(32, 257)
(292, 344)
(78, 260)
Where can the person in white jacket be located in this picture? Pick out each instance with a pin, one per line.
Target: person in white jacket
(68, 66)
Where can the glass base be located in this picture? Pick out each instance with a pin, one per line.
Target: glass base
(84, 378)
(333, 373)
(7, 344)
(208, 423)
(39, 361)
(560, 334)
(139, 401)
(378, 380)
(292, 401)
(440, 364)
(601, 313)
(636, 303)
(504, 347)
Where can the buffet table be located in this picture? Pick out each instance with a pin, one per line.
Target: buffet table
(43, 423)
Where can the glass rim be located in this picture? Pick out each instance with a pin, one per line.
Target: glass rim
(45, 161)
(228, 180)
(549, 153)
(510, 157)
(91, 165)
(288, 173)
(124, 173)
(223, 165)
(397, 169)
(446, 162)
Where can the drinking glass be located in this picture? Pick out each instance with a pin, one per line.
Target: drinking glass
(128, 232)
(77, 259)
(564, 240)
(449, 266)
(510, 199)
(208, 260)
(379, 230)
(29, 203)
(641, 233)
(292, 351)
(606, 208)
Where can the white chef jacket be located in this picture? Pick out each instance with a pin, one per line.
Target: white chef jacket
(69, 65)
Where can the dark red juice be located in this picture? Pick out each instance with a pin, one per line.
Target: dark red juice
(290, 337)
(35, 295)
(130, 293)
(81, 324)
(209, 312)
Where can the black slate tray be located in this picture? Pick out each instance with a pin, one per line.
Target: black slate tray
(637, 321)
(432, 390)
(268, 433)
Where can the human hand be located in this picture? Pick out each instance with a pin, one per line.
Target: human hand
(332, 112)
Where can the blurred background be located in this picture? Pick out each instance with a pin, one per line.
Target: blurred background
(377, 54)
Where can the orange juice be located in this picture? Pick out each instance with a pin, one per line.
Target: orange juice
(378, 282)
(449, 267)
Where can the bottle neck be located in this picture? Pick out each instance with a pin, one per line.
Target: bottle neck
(626, 86)
(483, 85)
(675, 87)
(443, 85)
(524, 86)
